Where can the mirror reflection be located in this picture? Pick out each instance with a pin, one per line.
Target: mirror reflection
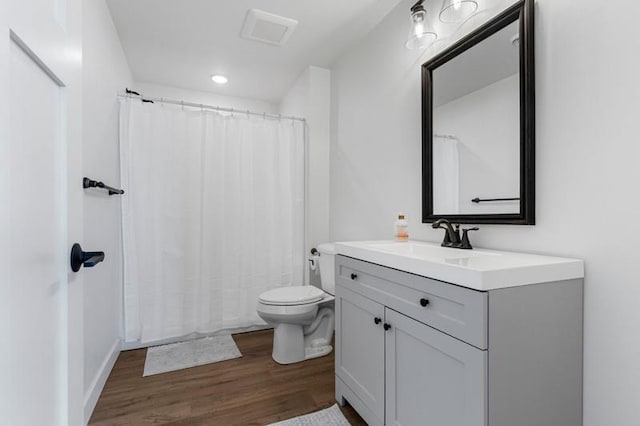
(476, 128)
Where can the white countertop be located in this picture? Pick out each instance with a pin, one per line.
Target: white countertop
(478, 269)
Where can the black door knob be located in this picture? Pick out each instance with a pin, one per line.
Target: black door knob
(424, 302)
(88, 259)
(377, 320)
(387, 326)
(354, 276)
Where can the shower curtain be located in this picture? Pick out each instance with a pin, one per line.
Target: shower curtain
(212, 216)
(446, 175)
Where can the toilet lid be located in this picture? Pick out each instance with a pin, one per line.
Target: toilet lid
(297, 295)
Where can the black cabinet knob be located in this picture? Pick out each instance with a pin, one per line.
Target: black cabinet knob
(424, 302)
(387, 326)
(377, 320)
(354, 276)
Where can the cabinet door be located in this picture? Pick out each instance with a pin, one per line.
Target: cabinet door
(360, 348)
(431, 377)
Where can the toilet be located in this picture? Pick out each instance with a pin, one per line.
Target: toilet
(302, 316)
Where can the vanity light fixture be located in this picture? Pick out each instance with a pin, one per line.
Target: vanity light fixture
(419, 36)
(219, 79)
(457, 10)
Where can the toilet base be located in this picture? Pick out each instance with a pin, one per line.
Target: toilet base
(289, 345)
(317, 351)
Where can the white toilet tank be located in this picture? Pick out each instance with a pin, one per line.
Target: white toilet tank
(327, 267)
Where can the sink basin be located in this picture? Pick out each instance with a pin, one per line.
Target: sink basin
(421, 250)
(479, 269)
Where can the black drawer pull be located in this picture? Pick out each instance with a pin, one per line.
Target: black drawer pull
(387, 326)
(354, 276)
(377, 320)
(424, 302)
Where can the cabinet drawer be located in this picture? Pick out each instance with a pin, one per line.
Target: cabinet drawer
(455, 310)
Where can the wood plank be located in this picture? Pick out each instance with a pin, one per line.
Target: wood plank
(252, 390)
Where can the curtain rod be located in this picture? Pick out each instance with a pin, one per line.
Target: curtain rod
(211, 107)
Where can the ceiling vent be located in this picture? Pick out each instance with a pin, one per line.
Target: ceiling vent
(267, 28)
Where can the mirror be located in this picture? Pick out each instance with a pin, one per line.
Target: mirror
(478, 125)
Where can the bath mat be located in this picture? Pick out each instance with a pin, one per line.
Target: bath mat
(176, 356)
(331, 416)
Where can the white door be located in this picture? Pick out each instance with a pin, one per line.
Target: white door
(360, 348)
(40, 212)
(431, 377)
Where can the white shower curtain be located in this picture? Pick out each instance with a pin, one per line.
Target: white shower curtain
(213, 215)
(446, 175)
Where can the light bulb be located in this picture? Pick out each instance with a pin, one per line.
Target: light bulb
(219, 79)
(419, 36)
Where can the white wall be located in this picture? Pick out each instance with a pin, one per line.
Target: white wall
(207, 98)
(309, 97)
(587, 172)
(105, 73)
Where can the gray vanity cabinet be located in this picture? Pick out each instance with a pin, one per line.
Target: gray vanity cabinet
(432, 378)
(412, 351)
(360, 355)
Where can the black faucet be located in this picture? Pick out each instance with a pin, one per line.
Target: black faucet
(452, 235)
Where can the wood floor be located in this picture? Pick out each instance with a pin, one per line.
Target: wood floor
(252, 390)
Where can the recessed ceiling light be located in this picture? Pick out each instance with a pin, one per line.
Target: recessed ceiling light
(219, 79)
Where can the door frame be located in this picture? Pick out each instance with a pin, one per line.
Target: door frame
(50, 33)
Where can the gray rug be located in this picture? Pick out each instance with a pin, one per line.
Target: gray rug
(331, 416)
(177, 356)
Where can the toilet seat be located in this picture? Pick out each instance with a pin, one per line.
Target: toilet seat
(289, 296)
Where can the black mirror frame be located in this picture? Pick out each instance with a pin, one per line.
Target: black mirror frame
(523, 12)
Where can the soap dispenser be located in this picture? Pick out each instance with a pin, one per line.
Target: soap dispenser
(402, 228)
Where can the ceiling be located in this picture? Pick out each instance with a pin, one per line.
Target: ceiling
(183, 42)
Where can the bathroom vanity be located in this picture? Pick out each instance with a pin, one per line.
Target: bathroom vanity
(427, 335)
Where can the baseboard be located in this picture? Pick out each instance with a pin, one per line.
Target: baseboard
(92, 395)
